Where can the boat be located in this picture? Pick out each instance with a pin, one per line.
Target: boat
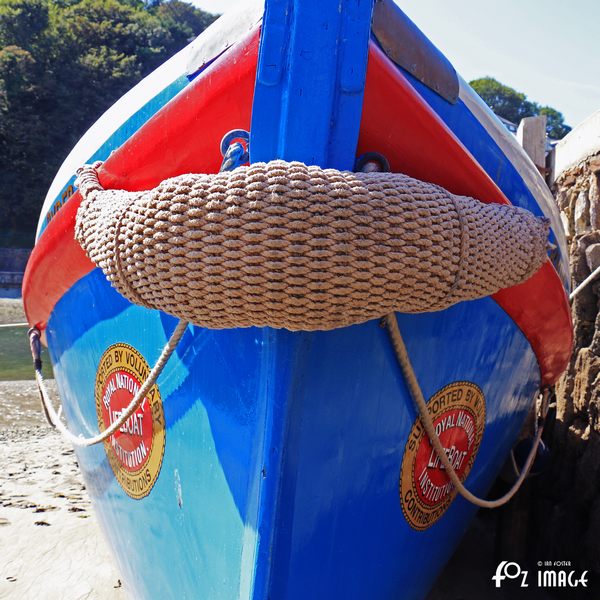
(271, 462)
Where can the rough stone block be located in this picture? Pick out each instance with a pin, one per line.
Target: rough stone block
(592, 257)
(594, 200)
(594, 164)
(567, 180)
(587, 368)
(581, 215)
(562, 199)
(592, 535)
(587, 476)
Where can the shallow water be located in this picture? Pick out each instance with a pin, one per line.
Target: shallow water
(15, 356)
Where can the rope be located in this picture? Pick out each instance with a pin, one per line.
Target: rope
(54, 418)
(584, 283)
(14, 325)
(417, 396)
(286, 245)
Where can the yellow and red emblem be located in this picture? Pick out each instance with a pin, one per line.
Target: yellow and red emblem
(135, 452)
(458, 415)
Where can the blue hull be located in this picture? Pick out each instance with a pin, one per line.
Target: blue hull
(283, 450)
(279, 471)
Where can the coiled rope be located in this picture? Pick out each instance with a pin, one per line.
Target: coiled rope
(417, 395)
(291, 246)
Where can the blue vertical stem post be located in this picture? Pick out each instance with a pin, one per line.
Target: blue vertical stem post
(307, 107)
(310, 81)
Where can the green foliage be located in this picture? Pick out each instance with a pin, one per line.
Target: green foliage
(555, 122)
(514, 106)
(62, 64)
(22, 22)
(182, 20)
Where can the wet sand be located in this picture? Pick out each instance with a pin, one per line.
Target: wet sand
(51, 547)
(50, 543)
(11, 311)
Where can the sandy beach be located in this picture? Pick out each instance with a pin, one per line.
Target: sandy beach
(50, 543)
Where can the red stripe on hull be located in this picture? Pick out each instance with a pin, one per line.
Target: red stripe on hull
(407, 131)
(417, 142)
(192, 125)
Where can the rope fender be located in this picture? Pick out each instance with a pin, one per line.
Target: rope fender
(286, 245)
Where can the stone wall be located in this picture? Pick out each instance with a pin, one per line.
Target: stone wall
(14, 259)
(12, 266)
(565, 500)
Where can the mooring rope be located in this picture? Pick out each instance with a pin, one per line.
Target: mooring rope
(589, 279)
(54, 417)
(418, 398)
(7, 325)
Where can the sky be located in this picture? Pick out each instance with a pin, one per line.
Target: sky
(547, 49)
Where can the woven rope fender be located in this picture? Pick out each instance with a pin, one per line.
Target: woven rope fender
(285, 245)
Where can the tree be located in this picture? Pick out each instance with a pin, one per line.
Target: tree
(506, 102)
(62, 64)
(182, 20)
(555, 123)
(22, 21)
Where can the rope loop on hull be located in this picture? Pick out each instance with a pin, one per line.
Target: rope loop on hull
(416, 393)
(54, 417)
(286, 245)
